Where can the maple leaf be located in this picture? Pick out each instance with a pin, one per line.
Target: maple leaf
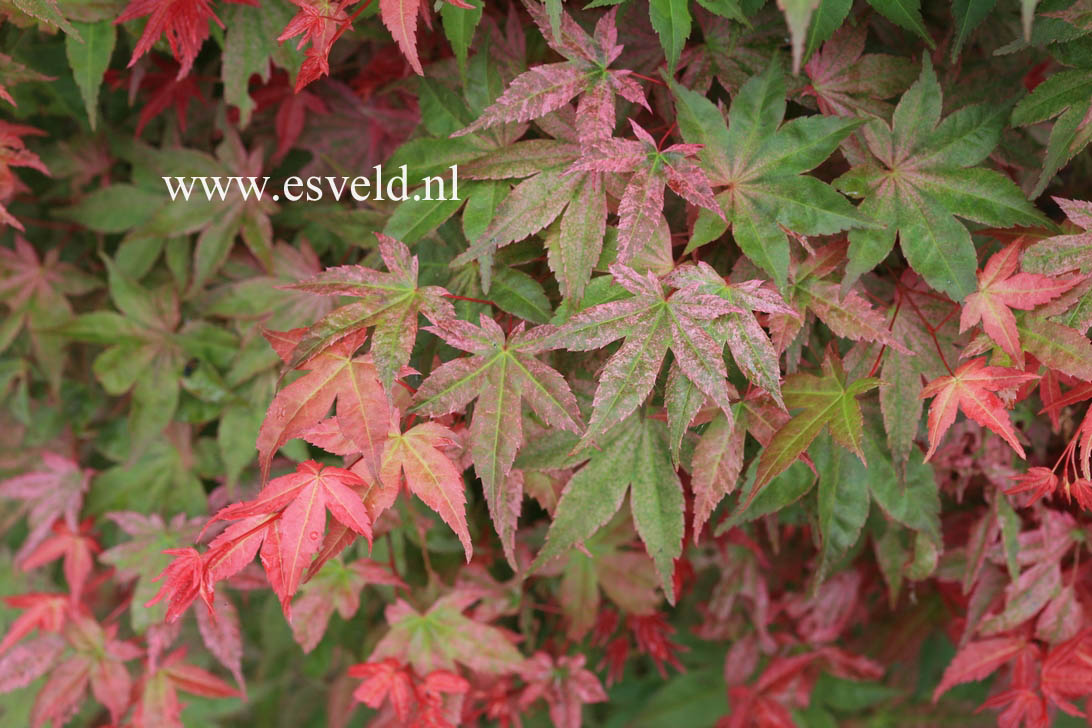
(14, 153)
(292, 110)
(1064, 253)
(184, 579)
(429, 474)
(185, 23)
(762, 162)
(142, 557)
(335, 586)
(390, 304)
(828, 401)
(635, 458)
(1001, 288)
(76, 547)
(546, 194)
(751, 348)
(726, 54)
(97, 661)
(146, 351)
(35, 288)
(442, 635)
(302, 499)
(549, 87)
(500, 372)
(157, 702)
(51, 494)
(846, 81)
(924, 175)
(335, 373)
(44, 612)
(384, 680)
(1065, 97)
(971, 389)
(640, 211)
(976, 660)
(652, 322)
(168, 89)
(564, 683)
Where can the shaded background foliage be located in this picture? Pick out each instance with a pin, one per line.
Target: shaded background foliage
(632, 434)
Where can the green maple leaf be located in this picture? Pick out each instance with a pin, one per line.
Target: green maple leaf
(652, 322)
(442, 635)
(500, 372)
(923, 176)
(828, 401)
(609, 565)
(761, 164)
(634, 458)
(390, 302)
(1068, 96)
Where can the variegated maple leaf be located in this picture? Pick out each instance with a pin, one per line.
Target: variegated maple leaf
(640, 211)
(634, 458)
(429, 474)
(336, 373)
(584, 73)
(751, 348)
(828, 400)
(652, 322)
(389, 304)
(545, 193)
(1000, 289)
(971, 388)
(501, 372)
(442, 635)
(846, 81)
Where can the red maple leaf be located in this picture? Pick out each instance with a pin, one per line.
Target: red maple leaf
(383, 680)
(14, 153)
(1000, 289)
(971, 389)
(292, 109)
(185, 578)
(44, 612)
(168, 89)
(185, 23)
(75, 546)
(287, 520)
(565, 684)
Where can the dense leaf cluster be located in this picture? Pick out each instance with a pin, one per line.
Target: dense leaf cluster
(744, 383)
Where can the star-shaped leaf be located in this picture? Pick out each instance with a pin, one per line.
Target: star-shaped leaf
(1000, 289)
(828, 400)
(634, 458)
(429, 474)
(501, 372)
(652, 322)
(389, 303)
(924, 175)
(761, 164)
(584, 73)
(972, 388)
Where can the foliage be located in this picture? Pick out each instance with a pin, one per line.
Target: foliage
(805, 442)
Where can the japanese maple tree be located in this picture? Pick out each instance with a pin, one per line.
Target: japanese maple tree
(720, 363)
